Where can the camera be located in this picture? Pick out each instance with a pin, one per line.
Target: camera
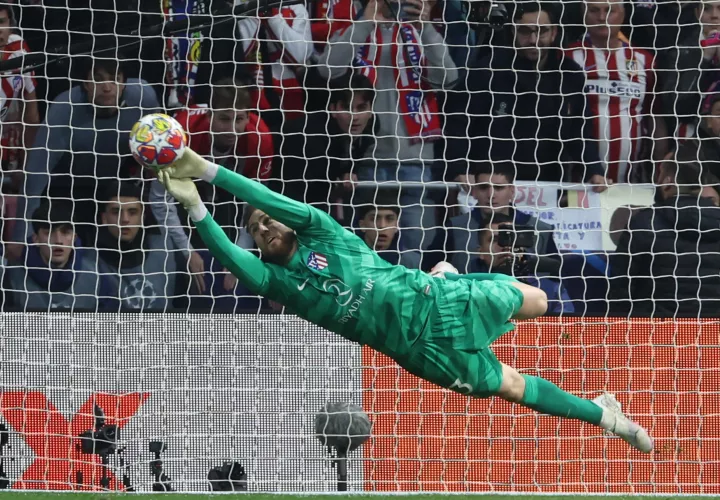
(520, 238)
(516, 237)
(102, 440)
(498, 16)
(486, 13)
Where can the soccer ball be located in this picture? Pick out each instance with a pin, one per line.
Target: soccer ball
(157, 141)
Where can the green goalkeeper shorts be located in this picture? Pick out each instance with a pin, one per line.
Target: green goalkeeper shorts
(454, 350)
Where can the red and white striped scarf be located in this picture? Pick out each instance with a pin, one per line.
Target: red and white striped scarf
(418, 103)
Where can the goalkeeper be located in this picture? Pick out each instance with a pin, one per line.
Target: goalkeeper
(438, 329)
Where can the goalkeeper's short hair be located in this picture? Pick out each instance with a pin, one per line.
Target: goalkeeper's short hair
(247, 213)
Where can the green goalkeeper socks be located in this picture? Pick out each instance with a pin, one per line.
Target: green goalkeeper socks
(545, 397)
(479, 277)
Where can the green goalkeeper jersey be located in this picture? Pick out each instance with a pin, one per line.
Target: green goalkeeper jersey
(333, 280)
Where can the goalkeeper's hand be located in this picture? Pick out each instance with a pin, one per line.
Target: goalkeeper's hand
(190, 166)
(183, 190)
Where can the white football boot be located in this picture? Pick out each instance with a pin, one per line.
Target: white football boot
(615, 421)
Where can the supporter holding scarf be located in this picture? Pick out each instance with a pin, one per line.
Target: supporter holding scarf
(418, 104)
(397, 47)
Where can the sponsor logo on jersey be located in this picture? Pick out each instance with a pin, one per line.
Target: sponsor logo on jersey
(317, 261)
(633, 90)
(357, 301)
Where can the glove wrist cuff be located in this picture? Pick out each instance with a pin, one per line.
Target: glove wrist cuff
(197, 212)
(210, 172)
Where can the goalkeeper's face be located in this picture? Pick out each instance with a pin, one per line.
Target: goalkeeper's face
(276, 241)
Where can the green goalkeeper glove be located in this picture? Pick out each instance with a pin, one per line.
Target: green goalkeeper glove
(190, 166)
(183, 190)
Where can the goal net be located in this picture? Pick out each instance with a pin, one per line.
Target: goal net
(573, 146)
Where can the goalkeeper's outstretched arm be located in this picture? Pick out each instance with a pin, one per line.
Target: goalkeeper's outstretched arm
(292, 213)
(250, 270)
(245, 266)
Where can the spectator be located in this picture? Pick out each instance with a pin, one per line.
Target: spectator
(620, 84)
(145, 269)
(493, 256)
(406, 104)
(329, 17)
(688, 152)
(495, 194)
(526, 105)
(378, 221)
(450, 19)
(322, 147)
(668, 262)
(18, 101)
(687, 69)
(707, 144)
(56, 274)
(93, 117)
(659, 26)
(230, 135)
(277, 50)
(80, 177)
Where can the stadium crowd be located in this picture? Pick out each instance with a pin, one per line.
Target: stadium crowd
(413, 123)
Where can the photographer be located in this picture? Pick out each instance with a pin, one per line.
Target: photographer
(494, 191)
(503, 249)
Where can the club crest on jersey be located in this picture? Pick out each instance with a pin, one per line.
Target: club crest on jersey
(317, 261)
(633, 68)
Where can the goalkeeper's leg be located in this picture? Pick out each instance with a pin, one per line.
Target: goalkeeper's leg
(545, 397)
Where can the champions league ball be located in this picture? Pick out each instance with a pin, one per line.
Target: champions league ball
(157, 141)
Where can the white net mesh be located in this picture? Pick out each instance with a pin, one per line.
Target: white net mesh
(571, 145)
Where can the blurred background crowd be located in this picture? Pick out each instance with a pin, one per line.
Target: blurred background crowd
(575, 145)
